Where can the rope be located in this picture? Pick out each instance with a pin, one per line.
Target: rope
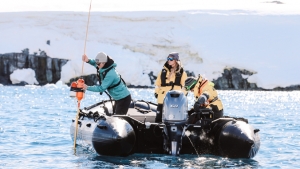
(86, 34)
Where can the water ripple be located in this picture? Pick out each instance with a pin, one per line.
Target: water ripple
(35, 121)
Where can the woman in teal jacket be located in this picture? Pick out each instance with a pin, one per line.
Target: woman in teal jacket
(110, 80)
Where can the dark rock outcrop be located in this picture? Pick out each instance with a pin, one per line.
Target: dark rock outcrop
(88, 80)
(232, 79)
(152, 77)
(47, 70)
(289, 88)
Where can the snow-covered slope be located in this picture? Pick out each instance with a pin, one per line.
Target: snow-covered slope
(264, 38)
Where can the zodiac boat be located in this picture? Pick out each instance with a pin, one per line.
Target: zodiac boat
(121, 135)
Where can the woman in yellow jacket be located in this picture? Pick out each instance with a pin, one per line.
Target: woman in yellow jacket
(171, 77)
(205, 94)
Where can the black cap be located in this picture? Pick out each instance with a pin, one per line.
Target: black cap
(190, 83)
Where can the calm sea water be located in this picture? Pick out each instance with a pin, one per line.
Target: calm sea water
(35, 121)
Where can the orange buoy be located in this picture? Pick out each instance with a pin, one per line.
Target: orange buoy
(80, 85)
(73, 89)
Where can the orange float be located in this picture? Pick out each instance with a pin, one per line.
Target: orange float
(80, 92)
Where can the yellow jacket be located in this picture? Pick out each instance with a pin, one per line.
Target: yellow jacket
(206, 86)
(161, 91)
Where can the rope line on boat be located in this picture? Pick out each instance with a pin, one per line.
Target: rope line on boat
(192, 144)
(144, 111)
(94, 115)
(238, 118)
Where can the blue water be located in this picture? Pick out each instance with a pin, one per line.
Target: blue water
(35, 121)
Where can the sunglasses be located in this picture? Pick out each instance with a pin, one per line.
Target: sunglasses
(190, 86)
(99, 63)
(170, 58)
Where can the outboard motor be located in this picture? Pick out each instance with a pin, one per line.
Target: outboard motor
(174, 115)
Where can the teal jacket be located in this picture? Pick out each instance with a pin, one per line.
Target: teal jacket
(112, 78)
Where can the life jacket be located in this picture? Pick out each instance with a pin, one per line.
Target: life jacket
(203, 83)
(104, 74)
(163, 78)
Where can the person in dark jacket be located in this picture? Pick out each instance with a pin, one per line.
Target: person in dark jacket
(110, 80)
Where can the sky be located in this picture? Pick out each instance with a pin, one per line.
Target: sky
(260, 6)
(259, 36)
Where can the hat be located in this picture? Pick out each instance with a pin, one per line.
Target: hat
(101, 57)
(190, 83)
(175, 55)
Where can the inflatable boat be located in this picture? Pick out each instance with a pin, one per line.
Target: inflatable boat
(179, 133)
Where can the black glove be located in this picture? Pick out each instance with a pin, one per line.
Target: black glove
(202, 99)
(155, 95)
(200, 102)
(196, 107)
(191, 111)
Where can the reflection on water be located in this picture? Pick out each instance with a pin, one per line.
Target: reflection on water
(182, 161)
(35, 123)
(159, 161)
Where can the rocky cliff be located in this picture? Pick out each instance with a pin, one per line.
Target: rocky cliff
(47, 70)
(236, 79)
(231, 79)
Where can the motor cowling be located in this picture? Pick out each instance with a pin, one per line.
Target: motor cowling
(175, 107)
(174, 116)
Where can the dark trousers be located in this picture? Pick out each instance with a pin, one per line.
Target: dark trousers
(217, 113)
(122, 105)
(158, 117)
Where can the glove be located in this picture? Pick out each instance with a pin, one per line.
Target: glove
(201, 101)
(155, 95)
(196, 107)
(191, 111)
